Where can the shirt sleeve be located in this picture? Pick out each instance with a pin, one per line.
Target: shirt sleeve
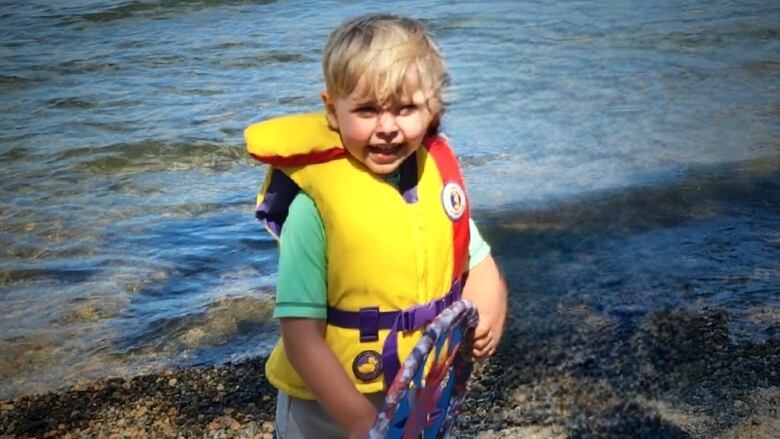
(478, 248)
(301, 288)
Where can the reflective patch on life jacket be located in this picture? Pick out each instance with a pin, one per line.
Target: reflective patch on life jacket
(453, 198)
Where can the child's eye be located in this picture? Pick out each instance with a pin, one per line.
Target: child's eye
(366, 110)
(407, 109)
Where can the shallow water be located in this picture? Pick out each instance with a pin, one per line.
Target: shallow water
(626, 156)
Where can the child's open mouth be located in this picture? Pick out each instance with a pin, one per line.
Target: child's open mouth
(385, 152)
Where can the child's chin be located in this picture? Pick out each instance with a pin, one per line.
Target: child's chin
(383, 168)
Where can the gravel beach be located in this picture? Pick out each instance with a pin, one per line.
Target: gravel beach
(674, 374)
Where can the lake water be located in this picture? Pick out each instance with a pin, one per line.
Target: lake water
(626, 156)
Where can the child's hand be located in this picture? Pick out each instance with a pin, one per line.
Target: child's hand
(363, 422)
(484, 344)
(361, 429)
(304, 342)
(485, 288)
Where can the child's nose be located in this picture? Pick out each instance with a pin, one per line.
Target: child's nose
(386, 123)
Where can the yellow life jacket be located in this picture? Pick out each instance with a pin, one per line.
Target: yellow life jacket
(388, 248)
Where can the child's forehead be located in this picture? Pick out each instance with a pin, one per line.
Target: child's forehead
(372, 90)
(374, 97)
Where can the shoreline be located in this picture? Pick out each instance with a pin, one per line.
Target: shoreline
(679, 374)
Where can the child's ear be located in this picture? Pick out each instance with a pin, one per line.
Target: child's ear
(330, 110)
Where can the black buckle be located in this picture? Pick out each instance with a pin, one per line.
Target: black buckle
(368, 321)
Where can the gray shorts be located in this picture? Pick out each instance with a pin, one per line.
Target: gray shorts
(304, 419)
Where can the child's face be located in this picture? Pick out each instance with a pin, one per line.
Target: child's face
(381, 135)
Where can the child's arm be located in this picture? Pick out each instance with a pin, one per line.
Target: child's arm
(487, 290)
(304, 342)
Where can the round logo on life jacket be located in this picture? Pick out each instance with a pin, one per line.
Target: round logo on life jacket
(453, 198)
(367, 365)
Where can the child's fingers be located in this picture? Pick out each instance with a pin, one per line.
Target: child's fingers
(483, 341)
(482, 329)
(483, 344)
(479, 354)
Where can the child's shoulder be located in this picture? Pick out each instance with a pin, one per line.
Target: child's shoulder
(303, 207)
(303, 219)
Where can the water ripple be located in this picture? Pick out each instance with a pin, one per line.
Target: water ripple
(151, 156)
(156, 10)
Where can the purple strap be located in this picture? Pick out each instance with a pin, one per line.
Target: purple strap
(276, 201)
(370, 320)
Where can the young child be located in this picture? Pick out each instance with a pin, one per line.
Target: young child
(376, 235)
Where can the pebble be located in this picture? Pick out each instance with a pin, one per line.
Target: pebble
(145, 407)
(536, 386)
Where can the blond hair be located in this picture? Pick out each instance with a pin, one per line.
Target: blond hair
(379, 49)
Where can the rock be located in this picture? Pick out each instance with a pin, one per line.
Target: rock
(232, 423)
(740, 407)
